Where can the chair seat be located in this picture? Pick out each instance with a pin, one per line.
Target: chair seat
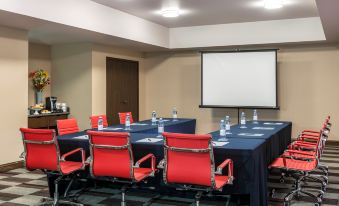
(141, 173)
(292, 164)
(68, 167)
(220, 181)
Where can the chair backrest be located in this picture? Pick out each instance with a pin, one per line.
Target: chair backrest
(67, 126)
(189, 159)
(94, 121)
(122, 117)
(41, 149)
(111, 154)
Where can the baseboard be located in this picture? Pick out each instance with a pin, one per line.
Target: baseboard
(332, 142)
(11, 166)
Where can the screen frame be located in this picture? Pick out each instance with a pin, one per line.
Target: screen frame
(276, 107)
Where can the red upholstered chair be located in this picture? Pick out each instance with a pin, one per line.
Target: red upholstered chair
(189, 163)
(67, 126)
(94, 121)
(112, 157)
(122, 117)
(301, 159)
(299, 169)
(42, 153)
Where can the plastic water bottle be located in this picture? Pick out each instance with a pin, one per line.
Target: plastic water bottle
(100, 124)
(128, 122)
(222, 128)
(255, 117)
(175, 114)
(228, 124)
(161, 128)
(154, 118)
(243, 120)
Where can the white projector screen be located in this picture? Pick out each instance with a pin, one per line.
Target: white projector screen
(239, 79)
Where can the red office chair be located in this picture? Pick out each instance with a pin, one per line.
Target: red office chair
(189, 164)
(299, 168)
(94, 121)
(122, 117)
(42, 153)
(112, 156)
(67, 126)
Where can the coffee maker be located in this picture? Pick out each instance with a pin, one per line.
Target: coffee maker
(51, 104)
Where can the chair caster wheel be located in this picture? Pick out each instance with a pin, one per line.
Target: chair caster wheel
(281, 180)
(317, 204)
(286, 203)
(272, 193)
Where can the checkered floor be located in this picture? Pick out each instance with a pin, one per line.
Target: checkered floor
(21, 188)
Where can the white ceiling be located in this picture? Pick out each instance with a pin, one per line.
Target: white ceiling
(207, 12)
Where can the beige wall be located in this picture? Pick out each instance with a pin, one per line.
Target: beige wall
(99, 54)
(13, 91)
(308, 82)
(72, 79)
(39, 57)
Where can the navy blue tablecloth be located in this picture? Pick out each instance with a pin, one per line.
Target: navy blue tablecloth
(276, 134)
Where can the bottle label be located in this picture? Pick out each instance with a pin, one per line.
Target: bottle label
(160, 129)
(243, 121)
(154, 119)
(228, 127)
(175, 116)
(255, 118)
(222, 132)
(127, 124)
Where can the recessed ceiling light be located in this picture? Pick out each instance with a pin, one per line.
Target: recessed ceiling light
(273, 4)
(170, 12)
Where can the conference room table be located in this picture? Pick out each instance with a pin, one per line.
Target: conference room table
(250, 152)
(253, 168)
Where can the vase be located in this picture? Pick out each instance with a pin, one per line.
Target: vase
(38, 97)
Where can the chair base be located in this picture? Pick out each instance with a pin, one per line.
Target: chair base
(298, 190)
(50, 202)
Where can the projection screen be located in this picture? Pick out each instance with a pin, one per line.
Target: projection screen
(244, 79)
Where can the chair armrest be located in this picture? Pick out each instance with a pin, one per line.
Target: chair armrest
(291, 152)
(310, 134)
(22, 155)
(227, 162)
(149, 156)
(82, 152)
(311, 131)
(309, 158)
(88, 160)
(304, 144)
(307, 137)
(161, 164)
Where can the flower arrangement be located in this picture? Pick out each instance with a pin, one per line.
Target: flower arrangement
(40, 79)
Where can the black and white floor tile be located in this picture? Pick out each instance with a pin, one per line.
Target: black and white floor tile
(21, 188)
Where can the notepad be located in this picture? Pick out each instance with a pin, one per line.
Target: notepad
(219, 144)
(250, 134)
(273, 123)
(112, 129)
(150, 140)
(139, 124)
(81, 137)
(264, 128)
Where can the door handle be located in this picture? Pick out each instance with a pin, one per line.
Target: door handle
(124, 102)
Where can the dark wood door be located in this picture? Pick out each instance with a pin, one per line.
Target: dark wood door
(122, 88)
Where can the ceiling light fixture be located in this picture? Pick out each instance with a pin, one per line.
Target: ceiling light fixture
(170, 13)
(273, 4)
